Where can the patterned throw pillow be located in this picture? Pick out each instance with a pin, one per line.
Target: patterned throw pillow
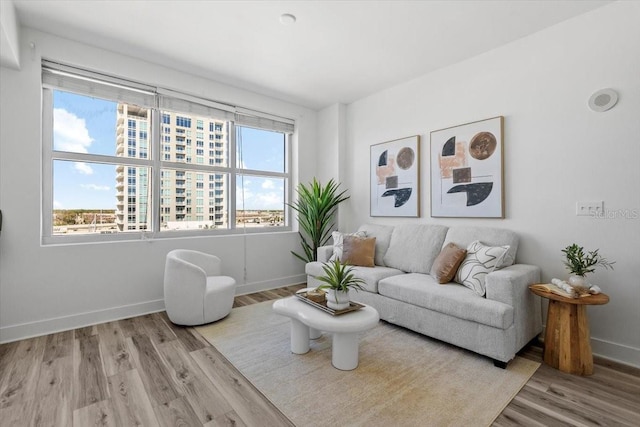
(338, 242)
(480, 261)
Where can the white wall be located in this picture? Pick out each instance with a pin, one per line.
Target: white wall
(43, 289)
(557, 151)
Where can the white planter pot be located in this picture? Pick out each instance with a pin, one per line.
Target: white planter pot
(337, 300)
(577, 281)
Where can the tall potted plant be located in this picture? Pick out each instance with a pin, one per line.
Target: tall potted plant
(316, 206)
(338, 280)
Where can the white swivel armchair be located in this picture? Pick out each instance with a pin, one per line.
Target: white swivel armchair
(194, 291)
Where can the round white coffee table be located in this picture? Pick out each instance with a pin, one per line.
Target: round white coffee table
(306, 320)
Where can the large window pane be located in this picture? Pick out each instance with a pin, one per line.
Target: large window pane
(260, 201)
(191, 139)
(258, 149)
(96, 198)
(82, 124)
(192, 199)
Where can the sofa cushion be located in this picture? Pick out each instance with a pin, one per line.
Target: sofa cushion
(479, 261)
(382, 233)
(446, 264)
(338, 241)
(414, 247)
(463, 236)
(358, 251)
(370, 275)
(451, 298)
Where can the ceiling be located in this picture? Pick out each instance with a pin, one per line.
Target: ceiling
(336, 51)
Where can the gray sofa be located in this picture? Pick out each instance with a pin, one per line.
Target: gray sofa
(496, 325)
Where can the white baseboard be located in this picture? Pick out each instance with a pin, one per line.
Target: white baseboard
(616, 352)
(249, 288)
(65, 323)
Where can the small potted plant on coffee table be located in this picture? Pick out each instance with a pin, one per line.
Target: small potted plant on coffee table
(338, 280)
(580, 263)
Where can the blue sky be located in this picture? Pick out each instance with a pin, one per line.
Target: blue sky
(88, 125)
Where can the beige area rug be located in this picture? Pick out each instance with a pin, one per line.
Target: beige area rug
(403, 378)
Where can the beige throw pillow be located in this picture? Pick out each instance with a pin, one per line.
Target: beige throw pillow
(359, 251)
(446, 264)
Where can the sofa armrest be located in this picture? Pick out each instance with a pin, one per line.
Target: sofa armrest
(510, 286)
(324, 253)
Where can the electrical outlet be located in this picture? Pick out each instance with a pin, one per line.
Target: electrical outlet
(589, 208)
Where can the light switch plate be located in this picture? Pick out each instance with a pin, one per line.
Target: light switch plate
(589, 208)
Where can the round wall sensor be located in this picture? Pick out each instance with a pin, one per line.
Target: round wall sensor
(287, 19)
(603, 100)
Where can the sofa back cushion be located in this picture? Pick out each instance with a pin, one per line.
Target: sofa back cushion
(463, 236)
(382, 233)
(414, 247)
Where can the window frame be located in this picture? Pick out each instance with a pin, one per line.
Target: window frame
(155, 163)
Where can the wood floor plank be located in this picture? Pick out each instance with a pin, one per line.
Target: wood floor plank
(154, 374)
(131, 326)
(177, 412)
(188, 339)
(563, 410)
(18, 382)
(98, 414)
(597, 386)
(85, 332)
(512, 417)
(205, 399)
(58, 345)
(157, 329)
(617, 411)
(114, 348)
(53, 405)
(131, 404)
(230, 419)
(89, 379)
(252, 407)
(16, 415)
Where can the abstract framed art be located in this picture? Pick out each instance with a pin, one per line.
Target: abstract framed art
(395, 178)
(467, 170)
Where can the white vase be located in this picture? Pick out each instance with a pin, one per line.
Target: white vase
(577, 281)
(337, 300)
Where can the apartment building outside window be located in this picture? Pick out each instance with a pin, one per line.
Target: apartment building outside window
(118, 160)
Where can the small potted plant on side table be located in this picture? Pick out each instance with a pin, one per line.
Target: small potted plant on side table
(580, 263)
(338, 280)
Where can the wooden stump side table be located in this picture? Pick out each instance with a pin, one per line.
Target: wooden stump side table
(567, 339)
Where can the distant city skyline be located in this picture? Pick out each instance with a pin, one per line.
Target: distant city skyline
(88, 125)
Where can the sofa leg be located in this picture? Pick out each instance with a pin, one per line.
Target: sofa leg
(499, 364)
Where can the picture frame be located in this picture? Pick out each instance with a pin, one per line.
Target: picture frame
(467, 170)
(395, 178)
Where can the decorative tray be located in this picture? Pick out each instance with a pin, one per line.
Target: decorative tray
(353, 306)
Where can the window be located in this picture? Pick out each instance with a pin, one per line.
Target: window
(103, 137)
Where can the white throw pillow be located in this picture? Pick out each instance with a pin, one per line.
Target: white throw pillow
(480, 261)
(338, 242)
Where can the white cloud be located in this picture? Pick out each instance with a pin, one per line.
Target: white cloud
(83, 168)
(70, 132)
(268, 201)
(95, 187)
(268, 184)
(57, 205)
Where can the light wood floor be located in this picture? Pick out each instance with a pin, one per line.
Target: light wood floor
(147, 371)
